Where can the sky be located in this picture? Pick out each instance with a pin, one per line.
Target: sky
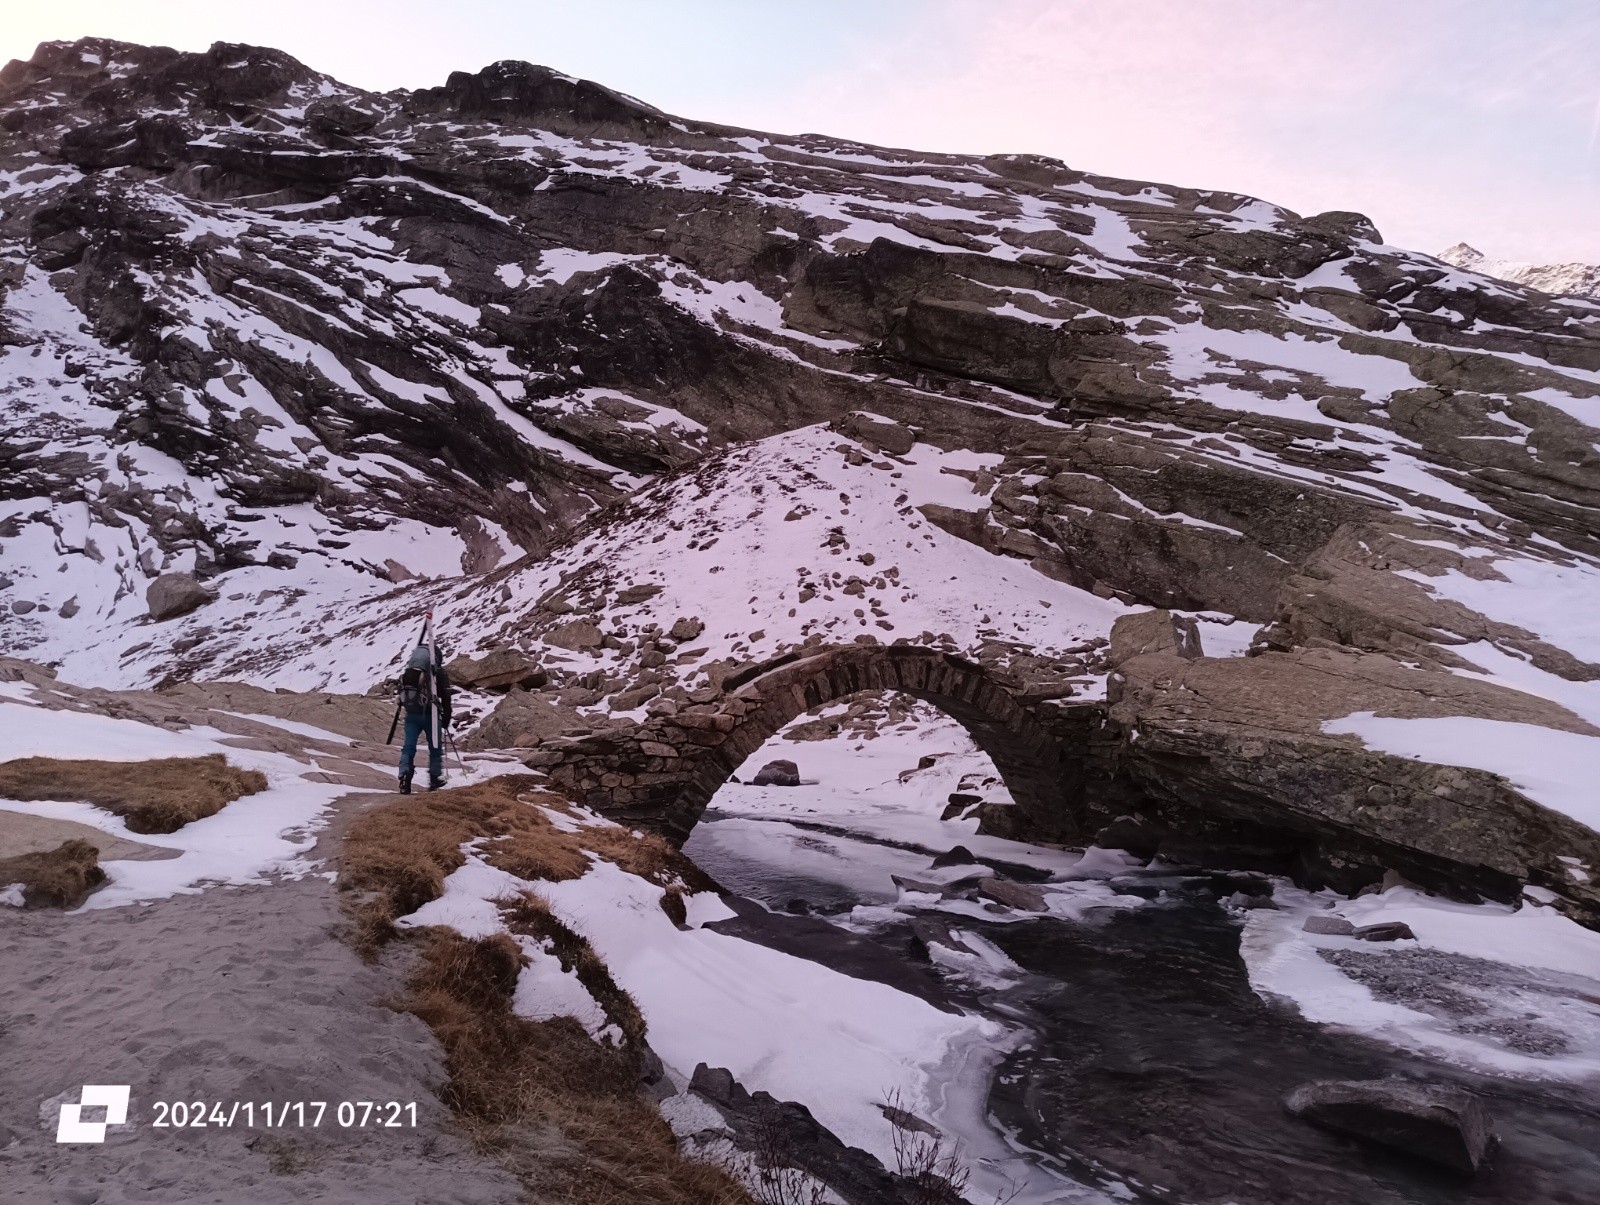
(1442, 120)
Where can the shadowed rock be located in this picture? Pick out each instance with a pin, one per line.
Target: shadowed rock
(779, 773)
(1443, 1125)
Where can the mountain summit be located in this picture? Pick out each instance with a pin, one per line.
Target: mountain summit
(1577, 279)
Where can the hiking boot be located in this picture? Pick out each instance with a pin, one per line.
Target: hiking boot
(405, 784)
(435, 783)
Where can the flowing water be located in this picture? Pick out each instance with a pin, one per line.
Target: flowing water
(1151, 1069)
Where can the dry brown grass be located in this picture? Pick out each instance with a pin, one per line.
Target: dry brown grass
(400, 854)
(559, 1110)
(158, 796)
(646, 855)
(556, 1108)
(60, 878)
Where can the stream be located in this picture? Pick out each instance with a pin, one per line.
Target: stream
(1150, 1070)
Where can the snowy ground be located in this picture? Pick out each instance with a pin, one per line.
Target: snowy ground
(769, 544)
(256, 839)
(1509, 991)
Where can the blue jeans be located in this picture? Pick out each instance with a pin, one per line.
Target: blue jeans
(417, 725)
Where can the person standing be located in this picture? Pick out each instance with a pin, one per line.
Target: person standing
(425, 699)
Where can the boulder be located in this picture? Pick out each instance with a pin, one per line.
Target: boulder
(1244, 882)
(500, 670)
(628, 700)
(1131, 834)
(958, 855)
(927, 931)
(1443, 1125)
(1328, 926)
(1246, 903)
(876, 432)
(575, 635)
(637, 594)
(944, 889)
(1394, 930)
(1154, 632)
(522, 720)
(779, 773)
(1024, 897)
(1249, 736)
(1004, 820)
(686, 629)
(713, 1083)
(175, 594)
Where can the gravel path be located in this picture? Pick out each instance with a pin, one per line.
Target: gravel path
(242, 994)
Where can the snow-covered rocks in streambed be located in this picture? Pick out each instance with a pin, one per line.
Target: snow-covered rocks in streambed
(1328, 926)
(1394, 930)
(1025, 897)
(1507, 989)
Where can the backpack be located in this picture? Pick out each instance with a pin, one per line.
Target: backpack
(416, 682)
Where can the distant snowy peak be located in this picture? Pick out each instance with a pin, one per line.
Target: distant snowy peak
(1574, 279)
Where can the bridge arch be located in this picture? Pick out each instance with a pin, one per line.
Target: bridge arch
(662, 773)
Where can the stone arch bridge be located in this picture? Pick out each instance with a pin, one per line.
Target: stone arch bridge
(1196, 772)
(662, 773)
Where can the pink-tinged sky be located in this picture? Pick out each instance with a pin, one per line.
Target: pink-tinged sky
(1444, 120)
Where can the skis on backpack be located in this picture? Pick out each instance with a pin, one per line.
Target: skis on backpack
(435, 740)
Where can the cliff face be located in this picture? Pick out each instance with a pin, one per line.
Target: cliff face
(308, 343)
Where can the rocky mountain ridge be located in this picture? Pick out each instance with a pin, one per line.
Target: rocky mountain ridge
(1578, 279)
(648, 399)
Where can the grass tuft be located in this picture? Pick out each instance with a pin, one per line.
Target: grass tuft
(396, 857)
(554, 1107)
(157, 796)
(59, 878)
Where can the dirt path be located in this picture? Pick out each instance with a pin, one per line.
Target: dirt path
(243, 994)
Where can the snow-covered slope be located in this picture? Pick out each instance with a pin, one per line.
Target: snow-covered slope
(649, 398)
(795, 539)
(292, 337)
